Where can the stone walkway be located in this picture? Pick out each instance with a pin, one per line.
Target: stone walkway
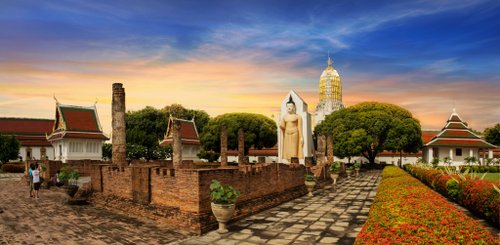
(330, 217)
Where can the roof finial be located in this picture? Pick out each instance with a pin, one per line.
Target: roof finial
(95, 103)
(54, 95)
(329, 59)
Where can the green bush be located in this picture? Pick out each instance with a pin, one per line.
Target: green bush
(223, 194)
(13, 168)
(452, 188)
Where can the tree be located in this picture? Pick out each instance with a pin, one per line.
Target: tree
(373, 127)
(492, 135)
(260, 131)
(9, 148)
(107, 151)
(176, 110)
(145, 128)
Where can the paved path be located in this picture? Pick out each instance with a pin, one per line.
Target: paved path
(330, 217)
(48, 220)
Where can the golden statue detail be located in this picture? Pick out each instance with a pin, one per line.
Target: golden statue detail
(291, 127)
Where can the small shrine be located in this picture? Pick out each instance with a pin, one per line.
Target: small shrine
(189, 137)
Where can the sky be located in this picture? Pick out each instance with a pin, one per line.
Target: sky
(427, 56)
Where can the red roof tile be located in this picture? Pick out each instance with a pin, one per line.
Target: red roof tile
(26, 125)
(453, 133)
(460, 143)
(427, 135)
(80, 118)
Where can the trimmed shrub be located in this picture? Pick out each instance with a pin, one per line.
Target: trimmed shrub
(13, 168)
(407, 212)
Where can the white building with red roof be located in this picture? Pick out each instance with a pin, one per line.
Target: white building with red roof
(456, 141)
(30, 133)
(77, 133)
(189, 137)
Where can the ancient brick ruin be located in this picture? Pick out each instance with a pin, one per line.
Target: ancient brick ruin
(118, 124)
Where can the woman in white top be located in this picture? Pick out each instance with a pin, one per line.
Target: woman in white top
(36, 179)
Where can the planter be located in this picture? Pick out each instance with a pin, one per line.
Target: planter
(334, 177)
(223, 213)
(349, 173)
(310, 187)
(71, 190)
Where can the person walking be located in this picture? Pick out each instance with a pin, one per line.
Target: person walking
(36, 179)
(30, 177)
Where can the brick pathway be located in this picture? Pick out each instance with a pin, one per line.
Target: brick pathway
(49, 221)
(330, 217)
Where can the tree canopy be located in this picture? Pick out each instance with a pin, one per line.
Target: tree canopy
(260, 131)
(146, 127)
(369, 128)
(9, 148)
(492, 135)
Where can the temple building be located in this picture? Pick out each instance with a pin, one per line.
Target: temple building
(457, 142)
(189, 137)
(330, 93)
(77, 133)
(31, 134)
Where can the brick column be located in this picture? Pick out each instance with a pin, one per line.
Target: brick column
(177, 144)
(241, 147)
(223, 146)
(329, 147)
(118, 124)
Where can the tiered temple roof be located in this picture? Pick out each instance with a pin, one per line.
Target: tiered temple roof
(189, 133)
(456, 134)
(28, 131)
(76, 122)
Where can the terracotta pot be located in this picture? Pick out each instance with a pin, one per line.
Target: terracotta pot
(310, 187)
(223, 213)
(334, 177)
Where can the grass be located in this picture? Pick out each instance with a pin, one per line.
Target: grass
(491, 176)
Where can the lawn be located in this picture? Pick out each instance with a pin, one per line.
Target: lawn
(491, 176)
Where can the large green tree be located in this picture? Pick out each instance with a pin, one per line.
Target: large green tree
(176, 110)
(260, 131)
(369, 128)
(492, 135)
(9, 148)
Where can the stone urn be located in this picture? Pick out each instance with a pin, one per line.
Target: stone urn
(334, 176)
(310, 187)
(348, 172)
(223, 213)
(356, 172)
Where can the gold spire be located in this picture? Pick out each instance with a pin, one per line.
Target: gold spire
(330, 86)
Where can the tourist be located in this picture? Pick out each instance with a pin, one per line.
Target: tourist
(30, 177)
(36, 179)
(56, 180)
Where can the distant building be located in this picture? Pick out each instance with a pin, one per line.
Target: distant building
(330, 93)
(31, 133)
(456, 141)
(77, 133)
(189, 138)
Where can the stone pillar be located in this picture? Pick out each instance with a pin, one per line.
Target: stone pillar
(321, 143)
(329, 147)
(241, 147)
(451, 154)
(223, 146)
(471, 152)
(490, 153)
(118, 124)
(177, 144)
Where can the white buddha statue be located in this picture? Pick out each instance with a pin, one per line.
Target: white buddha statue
(291, 128)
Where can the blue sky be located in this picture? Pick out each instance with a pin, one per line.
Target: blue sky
(427, 56)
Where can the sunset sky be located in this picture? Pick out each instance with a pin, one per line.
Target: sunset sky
(244, 56)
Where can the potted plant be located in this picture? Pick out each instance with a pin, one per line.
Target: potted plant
(334, 171)
(348, 171)
(70, 179)
(310, 182)
(223, 203)
(357, 167)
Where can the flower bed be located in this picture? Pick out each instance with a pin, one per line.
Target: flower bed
(479, 196)
(406, 211)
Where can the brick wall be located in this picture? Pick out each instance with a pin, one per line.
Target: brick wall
(182, 196)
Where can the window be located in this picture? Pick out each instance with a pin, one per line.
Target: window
(458, 152)
(43, 153)
(28, 153)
